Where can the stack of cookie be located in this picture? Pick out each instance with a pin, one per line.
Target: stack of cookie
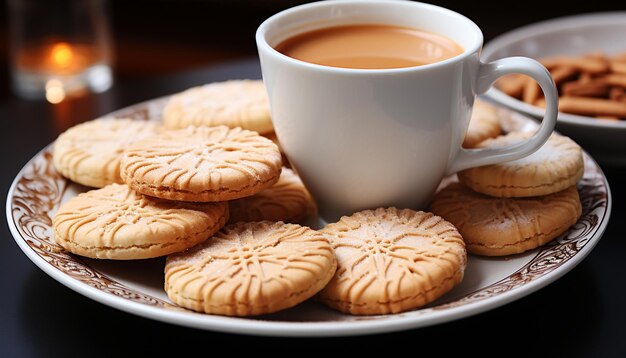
(165, 190)
(516, 206)
(189, 173)
(207, 189)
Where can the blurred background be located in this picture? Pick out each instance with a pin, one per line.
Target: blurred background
(159, 37)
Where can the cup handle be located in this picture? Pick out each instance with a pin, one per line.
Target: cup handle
(487, 75)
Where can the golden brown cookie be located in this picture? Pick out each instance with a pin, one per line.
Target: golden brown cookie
(118, 223)
(484, 124)
(232, 103)
(251, 269)
(504, 226)
(554, 167)
(202, 164)
(89, 153)
(392, 260)
(287, 200)
(272, 136)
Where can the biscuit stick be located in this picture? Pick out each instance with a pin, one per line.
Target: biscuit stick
(619, 57)
(618, 67)
(592, 106)
(561, 74)
(617, 94)
(541, 102)
(589, 89)
(597, 55)
(531, 91)
(614, 80)
(586, 64)
(512, 85)
(584, 77)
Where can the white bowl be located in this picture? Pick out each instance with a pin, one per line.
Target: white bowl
(572, 35)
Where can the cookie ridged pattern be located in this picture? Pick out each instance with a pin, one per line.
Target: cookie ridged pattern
(236, 103)
(287, 200)
(504, 226)
(118, 223)
(392, 260)
(251, 269)
(90, 153)
(202, 164)
(557, 165)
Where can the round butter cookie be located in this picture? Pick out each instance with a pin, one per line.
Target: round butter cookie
(272, 136)
(251, 269)
(392, 260)
(554, 167)
(118, 223)
(505, 226)
(287, 200)
(89, 153)
(232, 103)
(202, 164)
(484, 124)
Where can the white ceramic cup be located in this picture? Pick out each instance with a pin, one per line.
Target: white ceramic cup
(362, 138)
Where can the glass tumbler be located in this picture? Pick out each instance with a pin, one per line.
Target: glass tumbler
(59, 48)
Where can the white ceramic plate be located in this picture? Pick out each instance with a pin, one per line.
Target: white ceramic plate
(137, 286)
(573, 35)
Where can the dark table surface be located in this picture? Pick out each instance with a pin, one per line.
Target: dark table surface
(581, 314)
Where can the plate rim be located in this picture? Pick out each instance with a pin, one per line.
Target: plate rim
(297, 329)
